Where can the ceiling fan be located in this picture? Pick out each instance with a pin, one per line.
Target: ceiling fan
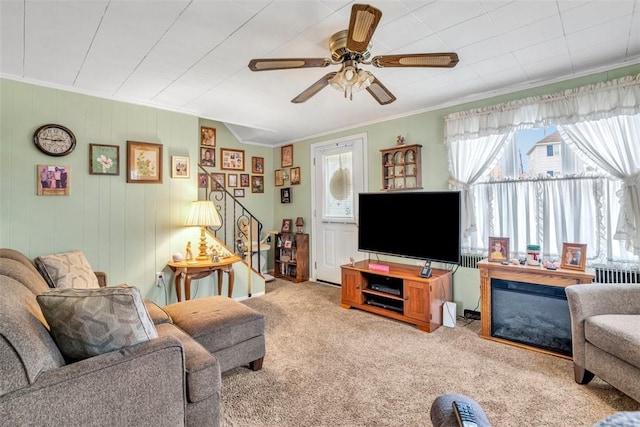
(351, 48)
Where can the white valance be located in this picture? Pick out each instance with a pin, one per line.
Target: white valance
(592, 102)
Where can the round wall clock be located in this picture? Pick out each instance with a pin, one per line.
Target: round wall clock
(54, 140)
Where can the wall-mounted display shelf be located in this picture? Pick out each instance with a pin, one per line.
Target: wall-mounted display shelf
(402, 168)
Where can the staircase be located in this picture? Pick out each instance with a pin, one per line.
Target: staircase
(240, 230)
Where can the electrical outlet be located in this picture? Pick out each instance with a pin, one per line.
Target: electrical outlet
(159, 278)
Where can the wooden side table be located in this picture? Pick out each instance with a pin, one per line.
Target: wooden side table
(197, 270)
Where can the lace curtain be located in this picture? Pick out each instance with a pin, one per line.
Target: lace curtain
(602, 121)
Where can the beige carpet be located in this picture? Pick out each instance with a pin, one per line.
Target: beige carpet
(327, 366)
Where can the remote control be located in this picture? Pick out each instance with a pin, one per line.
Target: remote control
(464, 414)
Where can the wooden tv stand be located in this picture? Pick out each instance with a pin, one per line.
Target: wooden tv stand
(400, 293)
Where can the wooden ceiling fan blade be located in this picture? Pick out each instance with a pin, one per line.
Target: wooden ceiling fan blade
(438, 60)
(363, 22)
(380, 92)
(313, 89)
(266, 64)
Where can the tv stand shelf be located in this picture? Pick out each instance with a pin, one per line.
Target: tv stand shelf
(400, 293)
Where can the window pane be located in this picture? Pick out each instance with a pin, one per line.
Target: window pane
(338, 200)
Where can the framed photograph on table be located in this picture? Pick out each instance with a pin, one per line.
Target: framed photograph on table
(286, 156)
(574, 256)
(232, 159)
(207, 136)
(498, 249)
(179, 167)
(286, 225)
(144, 162)
(104, 159)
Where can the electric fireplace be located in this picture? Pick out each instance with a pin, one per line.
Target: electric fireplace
(535, 315)
(526, 306)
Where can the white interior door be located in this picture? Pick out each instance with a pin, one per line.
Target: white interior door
(339, 176)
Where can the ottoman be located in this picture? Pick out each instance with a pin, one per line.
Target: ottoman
(233, 332)
(442, 414)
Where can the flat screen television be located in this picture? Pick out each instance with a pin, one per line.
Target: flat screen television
(423, 225)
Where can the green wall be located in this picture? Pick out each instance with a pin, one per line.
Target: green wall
(127, 230)
(131, 230)
(426, 129)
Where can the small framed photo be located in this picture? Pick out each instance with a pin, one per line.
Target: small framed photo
(286, 225)
(232, 180)
(179, 167)
(257, 184)
(286, 156)
(279, 179)
(244, 180)
(104, 159)
(53, 180)
(207, 156)
(144, 162)
(294, 176)
(232, 159)
(217, 181)
(207, 136)
(202, 180)
(288, 243)
(257, 165)
(285, 195)
(574, 256)
(498, 249)
(238, 192)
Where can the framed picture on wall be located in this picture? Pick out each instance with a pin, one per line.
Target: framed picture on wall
(295, 175)
(498, 249)
(232, 159)
(207, 156)
(202, 180)
(244, 180)
(232, 180)
(257, 165)
(217, 181)
(104, 159)
(279, 178)
(286, 156)
(207, 136)
(179, 167)
(285, 195)
(238, 192)
(257, 184)
(144, 162)
(53, 180)
(574, 256)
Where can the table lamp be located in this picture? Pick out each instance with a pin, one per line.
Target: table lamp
(203, 214)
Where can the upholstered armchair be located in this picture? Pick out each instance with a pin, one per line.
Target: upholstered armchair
(605, 328)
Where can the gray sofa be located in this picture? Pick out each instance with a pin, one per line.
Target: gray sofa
(605, 328)
(171, 380)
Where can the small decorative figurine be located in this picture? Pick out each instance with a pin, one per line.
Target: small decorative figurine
(400, 140)
(189, 256)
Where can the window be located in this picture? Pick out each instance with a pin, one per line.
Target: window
(581, 202)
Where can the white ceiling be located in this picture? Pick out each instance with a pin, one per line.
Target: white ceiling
(191, 56)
